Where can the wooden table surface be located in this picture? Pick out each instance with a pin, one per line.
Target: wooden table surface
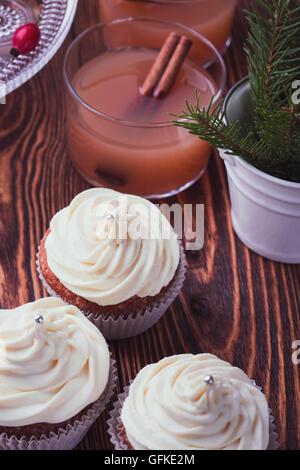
(234, 304)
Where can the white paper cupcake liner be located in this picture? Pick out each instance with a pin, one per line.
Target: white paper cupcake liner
(66, 438)
(115, 430)
(135, 323)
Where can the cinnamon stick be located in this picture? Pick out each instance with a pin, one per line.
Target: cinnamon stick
(160, 64)
(170, 74)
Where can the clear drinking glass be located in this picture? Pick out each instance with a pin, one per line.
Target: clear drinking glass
(212, 18)
(143, 157)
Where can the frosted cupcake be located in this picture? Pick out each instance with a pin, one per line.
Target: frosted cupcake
(191, 402)
(115, 257)
(55, 376)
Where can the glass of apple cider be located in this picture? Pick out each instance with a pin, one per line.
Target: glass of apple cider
(117, 137)
(212, 18)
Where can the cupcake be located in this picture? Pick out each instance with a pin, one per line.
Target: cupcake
(55, 376)
(115, 257)
(191, 402)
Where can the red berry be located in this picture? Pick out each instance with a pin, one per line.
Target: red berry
(25, 39)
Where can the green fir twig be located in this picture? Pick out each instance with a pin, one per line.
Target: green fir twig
(272, 141)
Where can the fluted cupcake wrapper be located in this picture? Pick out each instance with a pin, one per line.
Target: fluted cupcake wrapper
(114, 423)
(115, 429)
(69, 436)
(274, 437)
(118, 327)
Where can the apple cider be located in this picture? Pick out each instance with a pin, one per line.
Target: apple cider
(212, 18)
(119, 138)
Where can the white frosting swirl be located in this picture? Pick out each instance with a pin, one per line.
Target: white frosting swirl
(49, 371)
(170, 406)
(108, 247)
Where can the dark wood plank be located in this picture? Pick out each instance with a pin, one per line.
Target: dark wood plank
(234, 304)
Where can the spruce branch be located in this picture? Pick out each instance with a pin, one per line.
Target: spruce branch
(271, 141)
(273, 49)
(272, 75)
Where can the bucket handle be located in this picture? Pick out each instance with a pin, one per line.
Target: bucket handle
(226, 157)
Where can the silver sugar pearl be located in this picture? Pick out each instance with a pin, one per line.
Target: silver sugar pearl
(110, 217)
(39, 319)
(209, 379)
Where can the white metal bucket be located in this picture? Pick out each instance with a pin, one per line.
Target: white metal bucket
(265, 210)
